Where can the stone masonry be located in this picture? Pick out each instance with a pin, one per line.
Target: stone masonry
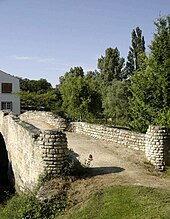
(128, 138)
(48, 117)
(157, 146)
(31, 151)
(155, 143)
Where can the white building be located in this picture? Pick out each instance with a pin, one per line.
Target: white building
(9, 93)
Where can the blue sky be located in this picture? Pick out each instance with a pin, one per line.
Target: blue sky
(45, 38)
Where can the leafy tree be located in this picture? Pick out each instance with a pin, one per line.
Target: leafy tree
(94, 86)
(41, 85)
(150, 87)
(79, 101)
(147, 96)
(110, 66)
(116, 104)
(136, 53)
(39, 94)
(160, 45)
(50, 100)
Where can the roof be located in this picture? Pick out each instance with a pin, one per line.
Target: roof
(2, 72)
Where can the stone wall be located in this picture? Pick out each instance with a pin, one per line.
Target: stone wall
(155, 143)
(47, 117)
(31, 151)
(130, 139)
(157, 146)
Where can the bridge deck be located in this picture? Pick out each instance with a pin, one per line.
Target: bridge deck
(40, 124)
(111, 161)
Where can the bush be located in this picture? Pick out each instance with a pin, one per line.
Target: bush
(26, 206)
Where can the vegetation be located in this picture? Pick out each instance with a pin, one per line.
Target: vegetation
(133, 94)
(124, 202)
(31, 205)
(27, 206)
(112, 202)
(150, 84)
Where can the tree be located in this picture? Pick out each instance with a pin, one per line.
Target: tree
(110, 66)
(80, 101)
(39, 94)
(136, 53)
(160, 45)
(93, 82)
(147, 96)
(41, 85)
(150, 87)
(116, 104)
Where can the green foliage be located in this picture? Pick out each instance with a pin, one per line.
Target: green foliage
(136, 53)
(146, 98)
(41, 85)
(50, 100)
(150, 86)
(26, 206)
(163, 118)
(39, 94)
(104, 94)
(161, 43)
(111, 66)
(125, 202)
(115, 102)
(78, 98)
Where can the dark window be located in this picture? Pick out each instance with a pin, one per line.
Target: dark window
(6, 106)
(6, 87)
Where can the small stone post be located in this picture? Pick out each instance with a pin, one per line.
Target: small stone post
(157, 145)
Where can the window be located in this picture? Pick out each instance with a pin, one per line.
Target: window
(6, 106)
(6, 87)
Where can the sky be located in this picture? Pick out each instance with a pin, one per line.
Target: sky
(45, 38)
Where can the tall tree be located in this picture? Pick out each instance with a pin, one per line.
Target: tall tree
(160, 45)
(111, 66)
(150, 87)
(136, 52)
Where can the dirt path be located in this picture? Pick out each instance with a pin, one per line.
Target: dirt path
(112, 164)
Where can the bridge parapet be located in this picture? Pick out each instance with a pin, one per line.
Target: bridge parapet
(47, 117)
(31, 151)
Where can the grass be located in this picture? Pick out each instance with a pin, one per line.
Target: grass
(121, 202)
(26, 206)
(168, 172)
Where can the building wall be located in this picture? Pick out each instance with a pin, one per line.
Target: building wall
(10, 97)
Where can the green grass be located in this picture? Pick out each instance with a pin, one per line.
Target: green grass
(26, 206)
(125, 203)
(168, 172)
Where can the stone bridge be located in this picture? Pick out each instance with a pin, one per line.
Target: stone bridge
(35, 142)
(27, 151)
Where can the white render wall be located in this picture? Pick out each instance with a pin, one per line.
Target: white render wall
(10, 97)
